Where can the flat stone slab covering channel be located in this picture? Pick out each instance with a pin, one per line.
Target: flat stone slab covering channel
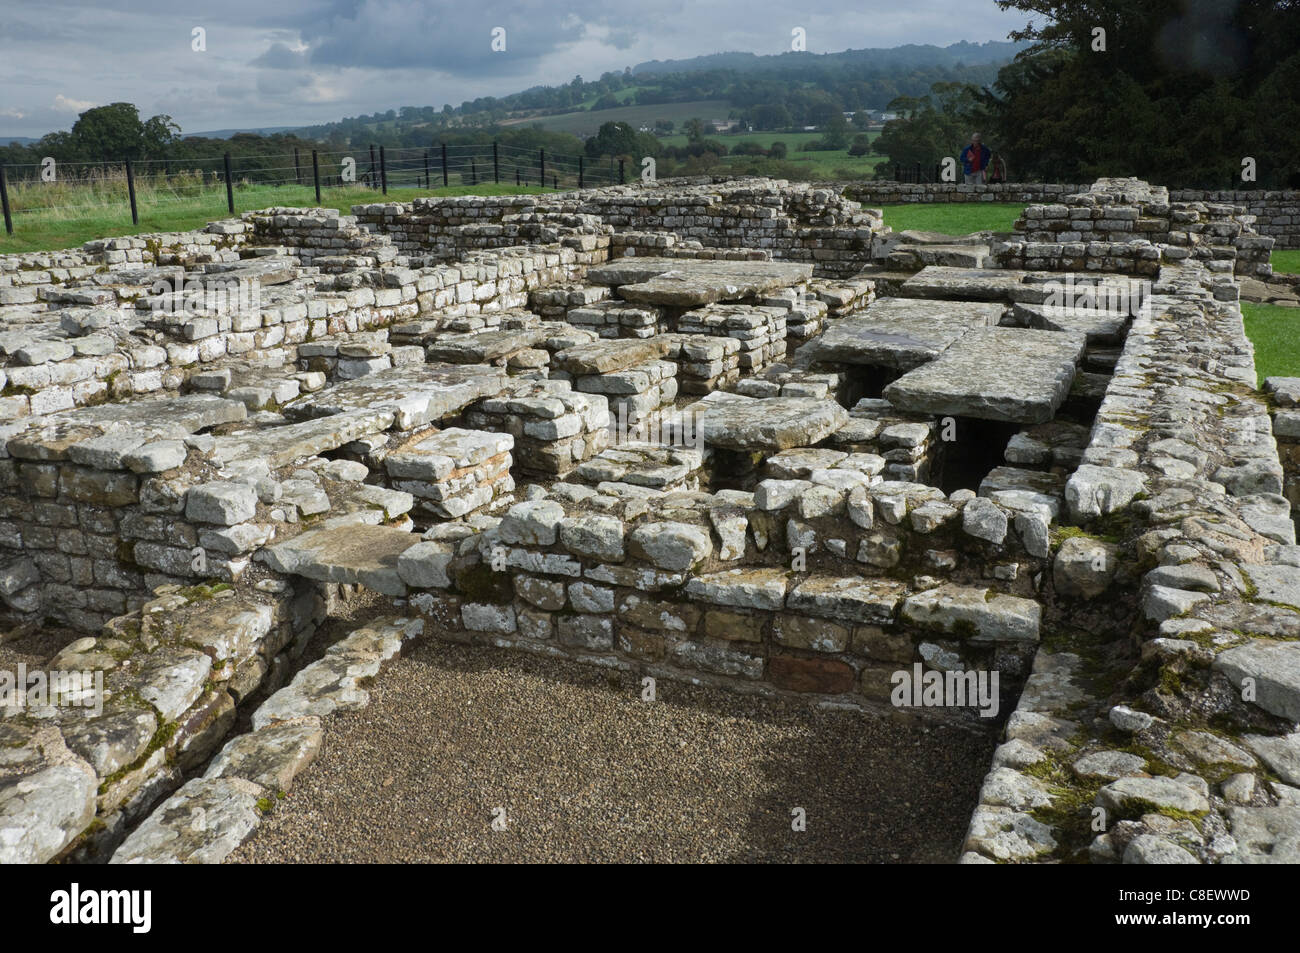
(587, 771)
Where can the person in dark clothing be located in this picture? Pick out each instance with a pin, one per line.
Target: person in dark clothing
(975, 160)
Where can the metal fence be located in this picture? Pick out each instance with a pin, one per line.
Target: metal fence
(72, 188)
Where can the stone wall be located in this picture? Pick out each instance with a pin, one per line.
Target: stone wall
(1166, 752)
(804, 585)
(1127, 226)
(792, 221)
(177, 671)
(1275, 215)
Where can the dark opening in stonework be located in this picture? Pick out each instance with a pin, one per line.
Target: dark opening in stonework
(978, 447)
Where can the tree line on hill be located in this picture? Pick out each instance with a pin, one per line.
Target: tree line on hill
(1182, 95)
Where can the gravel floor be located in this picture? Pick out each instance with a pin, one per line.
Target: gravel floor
(586, 771)
(33, 646)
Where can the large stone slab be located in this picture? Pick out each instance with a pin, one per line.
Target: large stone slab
(686, 282)
(963, 284)
(279, 446)
(975, 614)
(1275, 669)
(481, 347)
(202, 823)
(901, 333)
(41, 813)
(607, 356)
(1099, 327)
(101, 436)
(415, 393)
(1007, 374)
(354, 554)
(773, 424)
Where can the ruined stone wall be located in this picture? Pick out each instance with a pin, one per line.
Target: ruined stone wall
(176, 672)
(795, 222)
(1275, 214)
(698, 585)
(1117, 224)
(906, 193)
(119, 338)
(1181, 758)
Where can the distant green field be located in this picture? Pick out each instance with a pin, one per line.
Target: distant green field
(47, 231)
(765, 139)
(589, 123)
(622, 95)
(813, 165)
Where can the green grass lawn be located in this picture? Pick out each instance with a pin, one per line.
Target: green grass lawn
(40, 230)
(1275, 331)
(1287, 262)
(953, 219)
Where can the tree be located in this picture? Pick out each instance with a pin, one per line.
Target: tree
(694, 129)
(620, 139)
(777, 150)
(836, 135)
(159, 134)
(928, 128)
(771, 116)
(114, 130)
(1180, 93)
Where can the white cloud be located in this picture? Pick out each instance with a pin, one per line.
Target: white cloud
(65, 105)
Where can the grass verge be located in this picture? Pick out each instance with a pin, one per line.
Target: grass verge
(1275, 331)
(953, 219)
(52, 229)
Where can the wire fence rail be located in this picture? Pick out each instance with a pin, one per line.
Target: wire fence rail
(63, 190)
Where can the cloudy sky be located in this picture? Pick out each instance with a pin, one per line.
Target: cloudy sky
(294, 62)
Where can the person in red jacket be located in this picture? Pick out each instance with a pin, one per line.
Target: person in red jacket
(975, 160)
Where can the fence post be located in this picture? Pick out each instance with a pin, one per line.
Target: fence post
(496, 167)
(444, 165)
(426, 168)
(555, 181)
(541, 167)
(4, 200)
(620, 171)
(297, 171)
(897, 173)
(230, 185)
(579, 171)
(473, 172)
(517, 182)
(130, 191)
(315, 174)
(383, 171)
